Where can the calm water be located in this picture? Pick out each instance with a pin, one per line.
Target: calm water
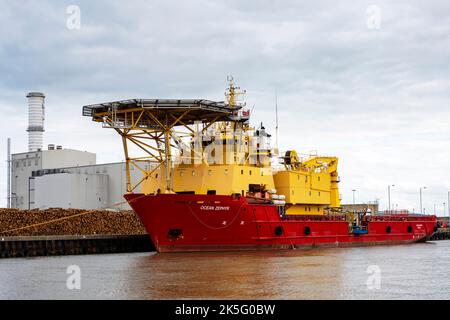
(419, 271)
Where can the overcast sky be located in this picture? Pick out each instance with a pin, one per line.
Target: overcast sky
(367, 81)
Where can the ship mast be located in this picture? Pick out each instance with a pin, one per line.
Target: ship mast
(276, 122)
(233, 93)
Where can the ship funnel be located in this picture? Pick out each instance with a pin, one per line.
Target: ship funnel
(36, 113)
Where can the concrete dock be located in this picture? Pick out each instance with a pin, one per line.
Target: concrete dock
(31, 246)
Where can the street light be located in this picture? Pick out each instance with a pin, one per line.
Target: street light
(389, 196)
(444, 207)
(448, 201)
(420, 191)
(354, 209)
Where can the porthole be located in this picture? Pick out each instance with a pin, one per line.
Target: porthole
(278, 231)
(307, 231)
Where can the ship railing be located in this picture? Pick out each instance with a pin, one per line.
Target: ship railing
(316, 217)
(396, 212)
(398, 217)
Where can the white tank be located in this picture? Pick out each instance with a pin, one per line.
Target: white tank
(36, 114)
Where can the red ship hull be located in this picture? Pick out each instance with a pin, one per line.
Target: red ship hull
(187, 222)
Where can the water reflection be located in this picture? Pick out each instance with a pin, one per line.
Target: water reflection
(419, 271)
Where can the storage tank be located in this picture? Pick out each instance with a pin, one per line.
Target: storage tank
(36, 113)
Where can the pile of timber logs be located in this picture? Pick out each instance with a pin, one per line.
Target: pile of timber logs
(98, 222)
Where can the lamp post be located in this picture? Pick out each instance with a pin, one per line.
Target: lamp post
(354, 209)
(444, 207)
(389, 196)
(420, 192)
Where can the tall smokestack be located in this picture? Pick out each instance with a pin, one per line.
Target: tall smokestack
(35, 120)
(8, 177)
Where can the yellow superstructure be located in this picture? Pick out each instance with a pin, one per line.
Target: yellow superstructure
(309, 186)
(214, 179)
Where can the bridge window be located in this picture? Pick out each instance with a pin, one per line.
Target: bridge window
(318, 178)
(306, 178)
(242, 171)
(209, 172)
(250, 172)
(193, 172)
(226, 172)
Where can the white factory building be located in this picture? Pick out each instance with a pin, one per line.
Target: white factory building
(62, 178)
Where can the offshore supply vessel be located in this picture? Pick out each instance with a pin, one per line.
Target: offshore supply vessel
(211, 181)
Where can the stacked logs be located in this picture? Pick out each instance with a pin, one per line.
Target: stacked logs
(98, 222)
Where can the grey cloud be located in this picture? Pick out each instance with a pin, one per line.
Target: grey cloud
(376, 98)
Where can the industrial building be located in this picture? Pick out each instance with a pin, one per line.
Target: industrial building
(24, 164)
(62, 178)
